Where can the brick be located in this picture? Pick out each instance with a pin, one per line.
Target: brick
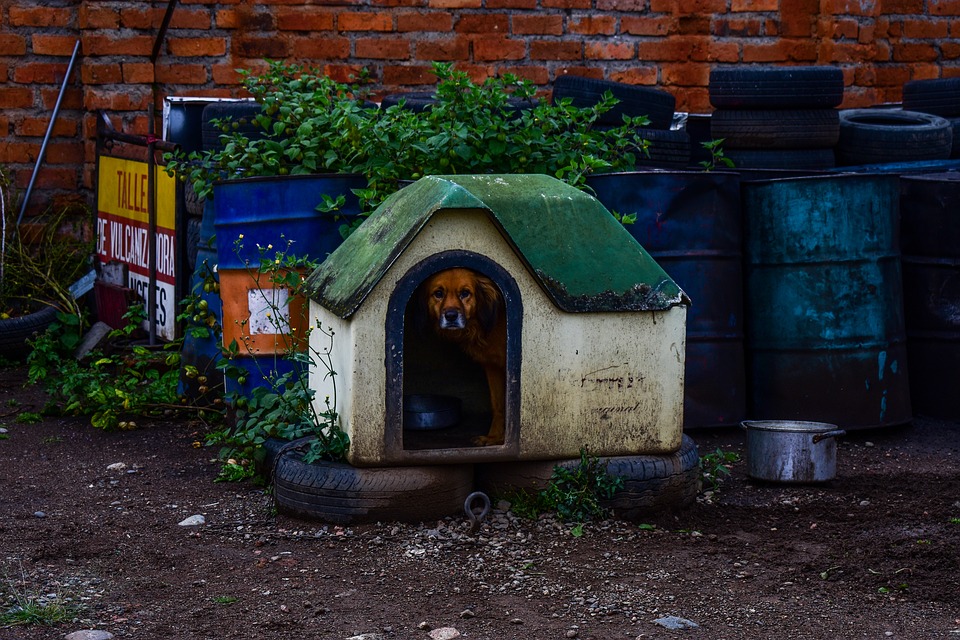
(365, 21)
(694, 25)
(609, 50)
(50, 45)
(97, 17)
(98, 45)
(926, 29)
(851, 7)
(56, 178)
(685, 74)
(17, 98)
(737, 27)
(551, 25)
(252, 20)
(258, 47)
(344, 73)
(798, 17)
(694, 100)
(134, 100)
(584, 72)
(738, 6)
(296, 19)
(498, 48)
(867, 33)
(382, 48)
(325, 47)
(193, 47)
(137, 72)
(193, 19)
(39, 73)
(555, 50)
(31, 127)
(40, 16)
(675, 49)
(182, 74)
(914, 52)
(18, 152)
(538, 75)
(425, 22)
(411, 75)
(950, 50)
(647, 26)
(688, 7)
(64, 153)
(780, 51)
(72, 98)
(483, 23)
(901, 6)
(226, 74)
(566, 4)
(442, 49)
(454, 4)
(93, 73)
(398, 3)
(12, 45)
(636, 75)
(591, 25)
(844, 29)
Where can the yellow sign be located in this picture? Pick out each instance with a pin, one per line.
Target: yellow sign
(123, 231)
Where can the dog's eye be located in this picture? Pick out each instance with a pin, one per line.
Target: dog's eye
(464, 294)
(438, 294)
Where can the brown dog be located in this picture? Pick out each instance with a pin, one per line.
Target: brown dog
(466, 308)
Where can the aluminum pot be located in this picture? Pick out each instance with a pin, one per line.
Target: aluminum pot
(791, 451)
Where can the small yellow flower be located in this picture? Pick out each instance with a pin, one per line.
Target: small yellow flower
(197, 444)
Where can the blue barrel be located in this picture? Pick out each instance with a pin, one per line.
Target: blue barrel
(930, 227)
(253, 214)
(826, 340)
(690, 223)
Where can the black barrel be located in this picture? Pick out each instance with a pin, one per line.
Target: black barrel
(930, 227)
(690, 223)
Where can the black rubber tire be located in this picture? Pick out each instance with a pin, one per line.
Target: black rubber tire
(651, 482)
(940, 96)
(669, 149)
(955, 149)
(15, 331)
(240, 112)
(794, 159)
(658, 105)
(191, 201)
(776, 129)
(874, 136)
(193, 241)
(343, 494)
(776, 87)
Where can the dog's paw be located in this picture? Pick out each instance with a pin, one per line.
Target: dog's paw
(486, 441)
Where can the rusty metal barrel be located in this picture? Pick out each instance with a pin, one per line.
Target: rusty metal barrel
(690, 223)
(825, 337)
(930, 228)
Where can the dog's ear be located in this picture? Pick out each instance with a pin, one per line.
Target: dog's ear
(489, 302)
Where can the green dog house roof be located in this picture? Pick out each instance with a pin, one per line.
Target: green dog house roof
(575, 249)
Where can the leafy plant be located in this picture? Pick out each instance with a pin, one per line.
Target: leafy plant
(284, 406)
(717, 157)
(574, 494)
(29, 609)
(715, 466)
(109, 387)
(29, 417)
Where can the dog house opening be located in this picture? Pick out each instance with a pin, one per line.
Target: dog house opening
(459, 374)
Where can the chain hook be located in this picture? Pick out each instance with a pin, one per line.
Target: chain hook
(476, 518)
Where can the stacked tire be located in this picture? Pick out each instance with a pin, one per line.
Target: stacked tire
(885, 136)
(777, 117)
(668, 149)
(939, 97)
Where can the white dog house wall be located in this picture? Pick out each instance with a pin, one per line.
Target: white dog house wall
(595, 328)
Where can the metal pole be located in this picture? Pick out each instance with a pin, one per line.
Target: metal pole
(46, 138)
(152, 233)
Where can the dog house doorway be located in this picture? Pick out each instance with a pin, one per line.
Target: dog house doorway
(438, 397)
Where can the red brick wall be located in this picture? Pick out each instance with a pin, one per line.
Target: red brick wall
(880, 44)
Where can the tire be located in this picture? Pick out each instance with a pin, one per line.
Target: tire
(651, 482)
(15, 331)
(240, 112)
(939, 96)
(776, 87)
(794, 159)
(657, 104)
(668, 149)
(193, 241)
(191, 201)
(873, 136)
(343, 494)
(955, 149)
(776, 129)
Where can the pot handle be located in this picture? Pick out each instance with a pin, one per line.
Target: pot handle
(828, 434)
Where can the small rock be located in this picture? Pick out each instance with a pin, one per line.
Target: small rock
(39, 514)
(572, 633)
(516, 621)
(367, 636)
(424, 626)
(117, 466)
(89, 634)
(864, 503)
(3, 431)
(444, 633)
(193, 521)
(675, 622)
(467, 613)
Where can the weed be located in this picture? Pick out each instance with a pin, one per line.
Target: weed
(13, 403)
(716, 465)
(717, 158)
(225, 600)
(28, 609)
(29, 417)
(52, 440)
(954, 520)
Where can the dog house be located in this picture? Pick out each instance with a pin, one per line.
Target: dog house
(595, 328)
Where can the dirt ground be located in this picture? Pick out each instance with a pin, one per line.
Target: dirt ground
(872, 554)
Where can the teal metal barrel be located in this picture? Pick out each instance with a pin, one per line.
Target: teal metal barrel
(259, 218)
(825, 335)
(930, 227)
(690, 223)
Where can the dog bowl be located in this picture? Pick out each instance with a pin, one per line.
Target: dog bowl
(791, 450)
(428, 411)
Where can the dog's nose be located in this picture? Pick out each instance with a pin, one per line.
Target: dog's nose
(451, 315)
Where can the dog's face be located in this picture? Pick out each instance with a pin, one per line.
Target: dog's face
(456, 297)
